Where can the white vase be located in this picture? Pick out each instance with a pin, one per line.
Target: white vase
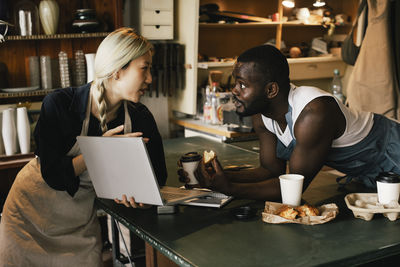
(23, 130)
(1, 135)
(90, 66)
(49, 14)
(9, 132)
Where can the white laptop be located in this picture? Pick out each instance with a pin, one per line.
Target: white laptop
(121, 165)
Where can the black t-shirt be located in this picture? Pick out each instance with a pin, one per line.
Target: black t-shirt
(60, 122)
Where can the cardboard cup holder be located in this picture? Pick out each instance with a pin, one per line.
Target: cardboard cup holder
(365, 205)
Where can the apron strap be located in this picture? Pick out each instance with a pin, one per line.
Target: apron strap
(128, 121)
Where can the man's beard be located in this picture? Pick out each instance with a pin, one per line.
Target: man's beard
(255, 107)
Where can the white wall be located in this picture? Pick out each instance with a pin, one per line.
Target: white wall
(159, 108)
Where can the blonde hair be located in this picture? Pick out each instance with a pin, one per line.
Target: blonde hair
(115, 52)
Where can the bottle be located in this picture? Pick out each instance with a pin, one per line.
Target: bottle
(207, 106)
(215, 87)
(336, 86)
(216, 107)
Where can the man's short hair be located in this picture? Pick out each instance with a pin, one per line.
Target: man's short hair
(269, 62)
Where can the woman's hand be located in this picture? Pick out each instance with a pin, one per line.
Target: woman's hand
(131, 203)
(115, 132)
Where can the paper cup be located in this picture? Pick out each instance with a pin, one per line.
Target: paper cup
(291, 188)
(388, 192)
(189, 162)
(388, 186)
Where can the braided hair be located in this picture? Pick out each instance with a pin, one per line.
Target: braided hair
(115, 52)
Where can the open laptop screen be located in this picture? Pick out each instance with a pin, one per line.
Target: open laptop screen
(121, 165)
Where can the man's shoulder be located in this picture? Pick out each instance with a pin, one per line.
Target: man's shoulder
(305, 92)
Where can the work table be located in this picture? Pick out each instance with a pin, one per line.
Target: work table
(197, 236)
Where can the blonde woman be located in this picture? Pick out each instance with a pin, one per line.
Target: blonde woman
(49, 218)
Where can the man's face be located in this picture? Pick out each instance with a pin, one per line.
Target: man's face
(248, 93)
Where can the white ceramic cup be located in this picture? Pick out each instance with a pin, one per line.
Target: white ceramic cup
(189, 162)
(291, 188)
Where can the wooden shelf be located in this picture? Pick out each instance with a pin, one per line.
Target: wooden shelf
(327, 58)
(30, 96)
(260, 25)
(56, 36)
(302, 68)
(15, 161)
(212, 64)
(219, 130)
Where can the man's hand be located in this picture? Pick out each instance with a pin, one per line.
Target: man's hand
(213, 176)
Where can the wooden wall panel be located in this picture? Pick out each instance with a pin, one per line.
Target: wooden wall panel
(231, 42)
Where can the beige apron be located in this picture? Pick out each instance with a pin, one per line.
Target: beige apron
(372, 85)
(44, 227)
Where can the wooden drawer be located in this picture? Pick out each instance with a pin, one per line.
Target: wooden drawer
(315, 67)
(157, 32)
(157, 17)
(158, 4)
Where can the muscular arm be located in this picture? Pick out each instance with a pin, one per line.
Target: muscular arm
(256, 183)
(317, 126)
(270, 166)
(320, 122)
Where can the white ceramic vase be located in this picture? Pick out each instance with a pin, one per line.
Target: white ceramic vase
(90, 66)
(9, 132)
(23, 130)
(1, 135)
(49, 14)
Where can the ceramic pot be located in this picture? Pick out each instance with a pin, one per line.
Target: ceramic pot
(45, 72)
(49, 14)
(27, 18)
(9, 132)
(80, 69)
(23, 130)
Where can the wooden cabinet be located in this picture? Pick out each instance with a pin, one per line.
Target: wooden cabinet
(153, 18)
(230, 40)
(16, 49)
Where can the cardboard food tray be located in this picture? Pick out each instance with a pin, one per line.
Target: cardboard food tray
(328, 212)
(365, 205)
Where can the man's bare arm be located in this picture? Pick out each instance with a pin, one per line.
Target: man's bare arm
(270, 166)
(318, 125)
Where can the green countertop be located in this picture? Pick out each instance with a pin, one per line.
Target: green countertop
(197, 236)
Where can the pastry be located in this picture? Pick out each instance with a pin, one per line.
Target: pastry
(208, 156)
(287, 212)
(307, 210)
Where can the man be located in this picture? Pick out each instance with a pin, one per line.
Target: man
(303, 125)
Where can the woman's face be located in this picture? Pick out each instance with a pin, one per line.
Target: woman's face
(134, 80)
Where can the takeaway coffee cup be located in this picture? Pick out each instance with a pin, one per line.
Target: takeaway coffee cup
(388, 185)
(189, 162)
(291, 188)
